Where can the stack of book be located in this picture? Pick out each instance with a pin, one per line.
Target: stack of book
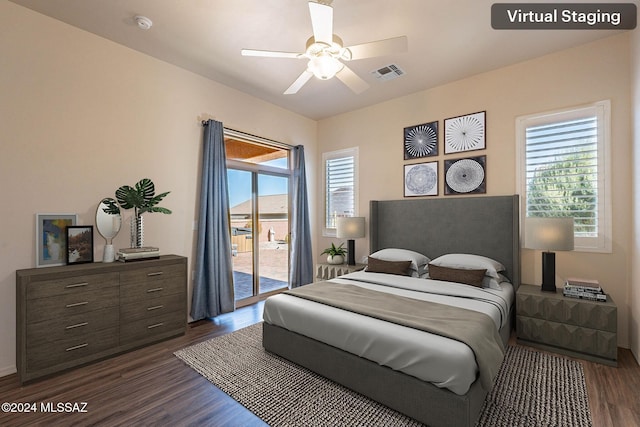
(137, 254)
(585, 289)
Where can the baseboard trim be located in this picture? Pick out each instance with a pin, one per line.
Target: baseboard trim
(8, 370)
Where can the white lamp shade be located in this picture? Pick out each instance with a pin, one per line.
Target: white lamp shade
(350, 227)
(549, 234)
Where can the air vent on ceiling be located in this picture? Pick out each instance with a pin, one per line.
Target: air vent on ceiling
(388, 72)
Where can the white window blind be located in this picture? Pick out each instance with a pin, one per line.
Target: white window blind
(340, 170)
(563, 158)
(562, 172)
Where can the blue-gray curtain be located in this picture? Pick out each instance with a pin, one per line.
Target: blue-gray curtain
(213, 284)
(301, 258)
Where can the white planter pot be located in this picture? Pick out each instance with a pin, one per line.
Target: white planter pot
(335, 259)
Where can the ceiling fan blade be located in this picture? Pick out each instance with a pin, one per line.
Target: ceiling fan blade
(379, 48)
(300, 81)
(322, 22)
(352, 80)
(269, 53)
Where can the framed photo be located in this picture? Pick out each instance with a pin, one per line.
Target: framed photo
(465, 133)
(465, 176)
(421, 179)
(79, 244)
(420, 141)
(51, 238)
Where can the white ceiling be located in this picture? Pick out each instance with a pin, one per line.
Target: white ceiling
(448, 40)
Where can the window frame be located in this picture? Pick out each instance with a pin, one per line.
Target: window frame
(330, 155)
(602, 110)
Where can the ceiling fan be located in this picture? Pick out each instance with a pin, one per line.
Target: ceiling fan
(325, 52)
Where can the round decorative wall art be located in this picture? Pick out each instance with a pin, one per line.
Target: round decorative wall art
(421, 179)
(464, 133)
(421, 141)
(463, 176)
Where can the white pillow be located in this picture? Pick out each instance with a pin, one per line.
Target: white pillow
(491, 283)
(470, 262)
(418, 261)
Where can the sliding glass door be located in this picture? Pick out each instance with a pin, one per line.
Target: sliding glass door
(259, 208)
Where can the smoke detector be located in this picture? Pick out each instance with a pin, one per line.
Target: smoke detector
(143, 22)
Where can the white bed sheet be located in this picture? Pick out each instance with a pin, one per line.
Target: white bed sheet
(442, 361)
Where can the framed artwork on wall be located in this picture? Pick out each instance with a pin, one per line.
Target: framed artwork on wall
(421, 179)
(465, 133)
(51, 238)
(420, 141)
(79, 246)
(465, 176)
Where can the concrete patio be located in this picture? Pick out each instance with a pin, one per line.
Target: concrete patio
(274, 261)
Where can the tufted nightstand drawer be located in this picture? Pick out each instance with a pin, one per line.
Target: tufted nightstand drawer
(576, 327)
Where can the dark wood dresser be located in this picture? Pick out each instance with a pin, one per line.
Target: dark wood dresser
(71, 315)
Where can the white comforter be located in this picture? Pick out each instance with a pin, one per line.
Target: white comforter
(444, 362)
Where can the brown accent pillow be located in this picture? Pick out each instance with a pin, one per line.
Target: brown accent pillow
(468, 277)
(376, 265)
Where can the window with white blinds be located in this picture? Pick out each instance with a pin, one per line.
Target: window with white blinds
(563, 159)
(340, 173)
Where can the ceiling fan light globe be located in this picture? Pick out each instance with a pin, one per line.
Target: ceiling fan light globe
(324, 66)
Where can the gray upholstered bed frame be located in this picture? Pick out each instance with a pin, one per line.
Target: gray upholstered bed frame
(486, 226)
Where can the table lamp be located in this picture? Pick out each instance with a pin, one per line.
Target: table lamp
(549, 234)
(350, 228)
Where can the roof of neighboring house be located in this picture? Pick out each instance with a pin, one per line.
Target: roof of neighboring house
(273, 204)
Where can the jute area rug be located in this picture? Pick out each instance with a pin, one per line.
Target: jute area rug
(532, 389)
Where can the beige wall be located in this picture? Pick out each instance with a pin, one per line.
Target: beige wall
(588, 73)
(80, 116)
(634, 291)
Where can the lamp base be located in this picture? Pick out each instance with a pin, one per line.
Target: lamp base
(548, 271)
(351, 252)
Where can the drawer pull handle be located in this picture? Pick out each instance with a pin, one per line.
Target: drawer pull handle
(155, 326)
(77, 325)
(155, 307)
(76, 347)
(77, 285)
(157, 273)
(154, 290)
(76, 304)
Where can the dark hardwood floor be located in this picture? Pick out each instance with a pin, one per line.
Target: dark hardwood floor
(150, 386)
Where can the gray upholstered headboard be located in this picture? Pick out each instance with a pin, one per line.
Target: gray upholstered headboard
(486, 226)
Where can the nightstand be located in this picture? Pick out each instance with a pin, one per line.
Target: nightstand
(325, 271)
(575, 327)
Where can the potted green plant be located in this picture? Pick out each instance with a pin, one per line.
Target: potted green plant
(335, 254)
(141, 198)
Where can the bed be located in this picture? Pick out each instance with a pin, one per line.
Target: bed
(484, 226)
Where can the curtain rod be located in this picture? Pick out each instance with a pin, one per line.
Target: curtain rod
(249, 136)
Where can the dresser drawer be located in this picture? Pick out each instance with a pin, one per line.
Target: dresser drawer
(61, 306)
(152, 282)
(151, 307)
(143, 329)
(71, 285)
(69, 349)
(72, 326)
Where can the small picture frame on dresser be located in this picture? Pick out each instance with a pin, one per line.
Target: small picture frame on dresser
(51, 237)
(79, 244)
